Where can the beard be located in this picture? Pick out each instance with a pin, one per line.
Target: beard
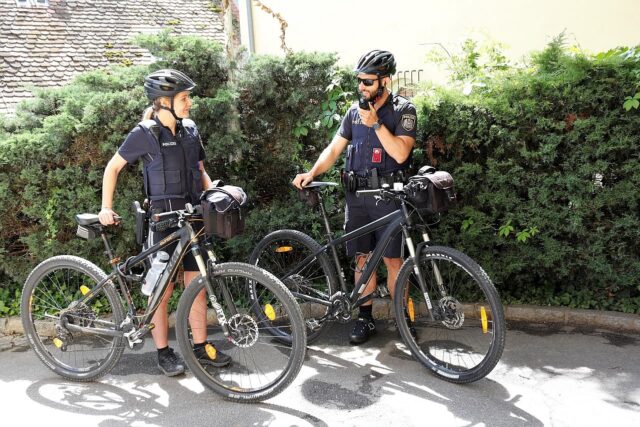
(368, 98)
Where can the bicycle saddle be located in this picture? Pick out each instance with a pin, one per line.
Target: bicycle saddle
(87, 219)
(319, 185)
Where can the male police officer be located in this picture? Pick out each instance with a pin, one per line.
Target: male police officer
(379, 142)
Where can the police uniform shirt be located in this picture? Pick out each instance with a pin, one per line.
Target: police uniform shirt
(398, 115)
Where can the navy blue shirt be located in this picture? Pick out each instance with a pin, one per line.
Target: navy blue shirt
(398, 115)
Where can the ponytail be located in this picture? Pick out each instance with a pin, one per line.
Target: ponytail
(152, 110)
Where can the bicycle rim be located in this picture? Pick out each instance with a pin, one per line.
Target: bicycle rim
(52, 291)
(279, 254)
(466, 341)
(261, 365)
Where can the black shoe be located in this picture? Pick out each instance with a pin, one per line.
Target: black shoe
(209, 355)
(362, 330)
(170, 363)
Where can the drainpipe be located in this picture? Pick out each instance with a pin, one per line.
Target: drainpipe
(246, 25)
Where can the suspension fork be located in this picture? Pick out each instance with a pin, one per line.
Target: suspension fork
(416, 261)
(436, 270)
(208, 278)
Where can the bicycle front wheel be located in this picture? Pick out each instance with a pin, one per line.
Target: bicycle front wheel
(50, 299)
(465, 340)
(282, 253)
(252, 301)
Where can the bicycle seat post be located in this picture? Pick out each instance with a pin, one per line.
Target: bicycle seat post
(323, 211)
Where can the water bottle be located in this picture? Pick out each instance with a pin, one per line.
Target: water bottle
(157, 267)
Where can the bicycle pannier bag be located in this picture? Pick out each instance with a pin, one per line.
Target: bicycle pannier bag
(221, 211)
(431, 192)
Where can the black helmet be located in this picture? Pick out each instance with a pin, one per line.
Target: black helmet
(166, 82)
(379, 62)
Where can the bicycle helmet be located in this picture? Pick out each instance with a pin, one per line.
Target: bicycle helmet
(167, 83)
(379, 62)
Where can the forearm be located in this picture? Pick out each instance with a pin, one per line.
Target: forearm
(205, 179)
(329, 156)
(109, 180)
(398, 147)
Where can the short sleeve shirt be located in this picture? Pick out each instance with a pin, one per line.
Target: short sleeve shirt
(398, 115)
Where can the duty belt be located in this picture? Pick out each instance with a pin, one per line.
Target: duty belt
(353, 182)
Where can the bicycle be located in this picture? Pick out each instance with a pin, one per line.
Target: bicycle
(79, 324)
(445, 295)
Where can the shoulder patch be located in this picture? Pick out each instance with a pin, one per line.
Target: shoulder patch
(408, 122)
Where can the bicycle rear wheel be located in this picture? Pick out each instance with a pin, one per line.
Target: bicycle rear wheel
(466, 339)
(281, 253)
(261, 366)
(50, 292)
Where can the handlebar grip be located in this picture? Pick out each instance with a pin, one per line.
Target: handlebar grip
(367, 192)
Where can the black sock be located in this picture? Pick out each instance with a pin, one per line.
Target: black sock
(366, 312)
(163, 350)
(199, 345)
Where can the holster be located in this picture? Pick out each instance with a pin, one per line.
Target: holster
(142, 221)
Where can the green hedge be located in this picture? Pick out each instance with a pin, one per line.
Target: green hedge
(526, 147)
(547, 167)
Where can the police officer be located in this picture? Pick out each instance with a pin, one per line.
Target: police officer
(169, 146)
(378, 140)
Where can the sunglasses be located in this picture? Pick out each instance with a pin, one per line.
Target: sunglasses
(367, 82)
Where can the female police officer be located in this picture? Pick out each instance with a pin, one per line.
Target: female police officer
(169, 145)
(379, 141)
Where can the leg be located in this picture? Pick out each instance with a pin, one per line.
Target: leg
(371, 285)
(160, 319)
(168, 362)
(198, 315)
(393, 266)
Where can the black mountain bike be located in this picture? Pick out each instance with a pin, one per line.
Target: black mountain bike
(74, 318)
(445, 295)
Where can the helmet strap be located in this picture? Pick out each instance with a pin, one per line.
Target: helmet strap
(171, 110)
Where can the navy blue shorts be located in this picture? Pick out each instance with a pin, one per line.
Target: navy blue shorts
(188, 261)
(361, 211)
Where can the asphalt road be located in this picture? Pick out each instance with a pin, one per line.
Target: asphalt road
(550, 378)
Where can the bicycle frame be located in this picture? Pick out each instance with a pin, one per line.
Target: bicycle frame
(394, 223)
(186, 239)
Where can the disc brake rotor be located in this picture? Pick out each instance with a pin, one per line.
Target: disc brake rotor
(243, 330)
(451, 309)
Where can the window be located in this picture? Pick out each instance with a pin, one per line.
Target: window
(32, 3)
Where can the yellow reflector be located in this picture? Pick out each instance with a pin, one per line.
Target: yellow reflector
(483, 319)
(270, 312)
(280, 249)
(211, 351)
(57, 342)
(84, 289)
(411, 310)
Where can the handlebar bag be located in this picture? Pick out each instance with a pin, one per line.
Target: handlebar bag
(221, 211)
(431, 192)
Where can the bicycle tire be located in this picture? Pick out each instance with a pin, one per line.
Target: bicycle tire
(261, 366)
(319, 279)
(54, 285)
(467, 342)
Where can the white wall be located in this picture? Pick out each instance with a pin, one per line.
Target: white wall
(410, 28)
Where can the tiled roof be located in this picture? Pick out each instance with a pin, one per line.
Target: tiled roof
(48, 46)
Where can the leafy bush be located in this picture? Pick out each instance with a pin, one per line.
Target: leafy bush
(547, 169)
(53, 152)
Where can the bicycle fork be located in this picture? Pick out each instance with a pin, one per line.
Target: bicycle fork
(418, 273)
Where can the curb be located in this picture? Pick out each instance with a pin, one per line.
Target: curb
(11, 332)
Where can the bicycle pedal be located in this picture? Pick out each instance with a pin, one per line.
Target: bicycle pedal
(313, 324)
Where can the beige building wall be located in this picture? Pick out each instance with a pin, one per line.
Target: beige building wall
(411, 28)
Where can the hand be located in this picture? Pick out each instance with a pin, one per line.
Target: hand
(368, 117)
(302, 180)
(107, 216)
